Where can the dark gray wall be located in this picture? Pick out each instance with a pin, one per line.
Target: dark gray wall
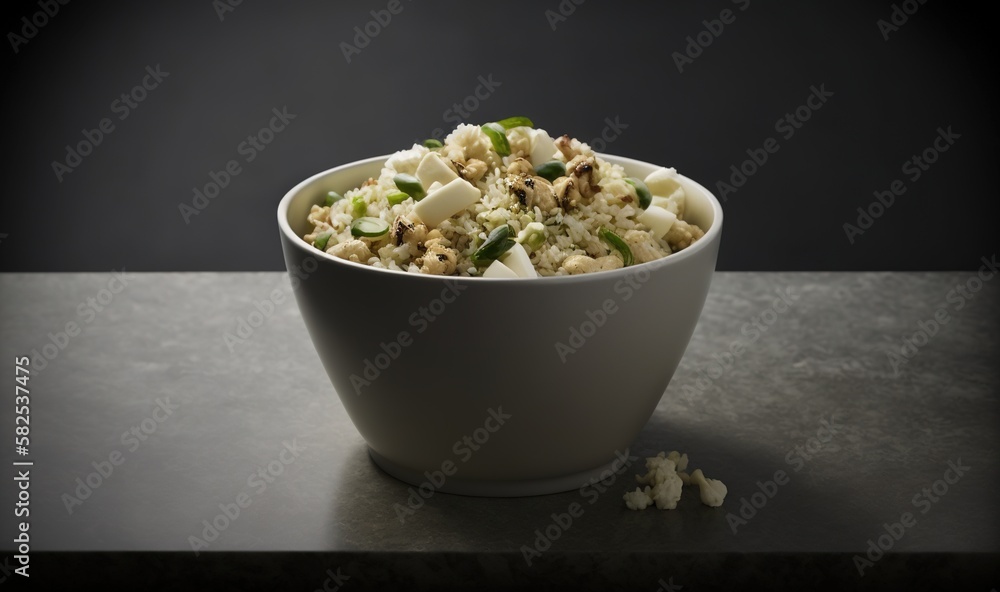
(606, 60)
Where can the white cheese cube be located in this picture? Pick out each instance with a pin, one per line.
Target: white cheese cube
(434, 186)
(543, 149)
(674, 203)
(663, 181)
(518, 261)
(432, 169)
(657, 219)
(499, 270)
(446, 202)
(661, 202)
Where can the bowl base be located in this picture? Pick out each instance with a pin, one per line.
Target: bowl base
(455, 484)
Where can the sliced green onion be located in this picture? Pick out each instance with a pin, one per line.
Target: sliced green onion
(551, 170)
(332, 197)
(498, 136)
(397, 197)
(410, 185)
(533, 236)
(645, 197)
(358, 206)
(321, 240)
(432, 143)
(511, 122)
(370, 227)
(497, 243)
(616, 241)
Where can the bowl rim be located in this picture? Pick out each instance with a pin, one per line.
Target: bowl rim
(711, 235)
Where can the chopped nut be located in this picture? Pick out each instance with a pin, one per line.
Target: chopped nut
(352, 250)
(712, 491)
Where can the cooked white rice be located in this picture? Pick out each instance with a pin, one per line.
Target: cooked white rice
(568, 231)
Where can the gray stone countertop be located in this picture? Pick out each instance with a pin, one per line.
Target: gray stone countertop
(824, 396)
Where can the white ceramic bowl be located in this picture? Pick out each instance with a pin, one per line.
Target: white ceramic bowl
(422, 363)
